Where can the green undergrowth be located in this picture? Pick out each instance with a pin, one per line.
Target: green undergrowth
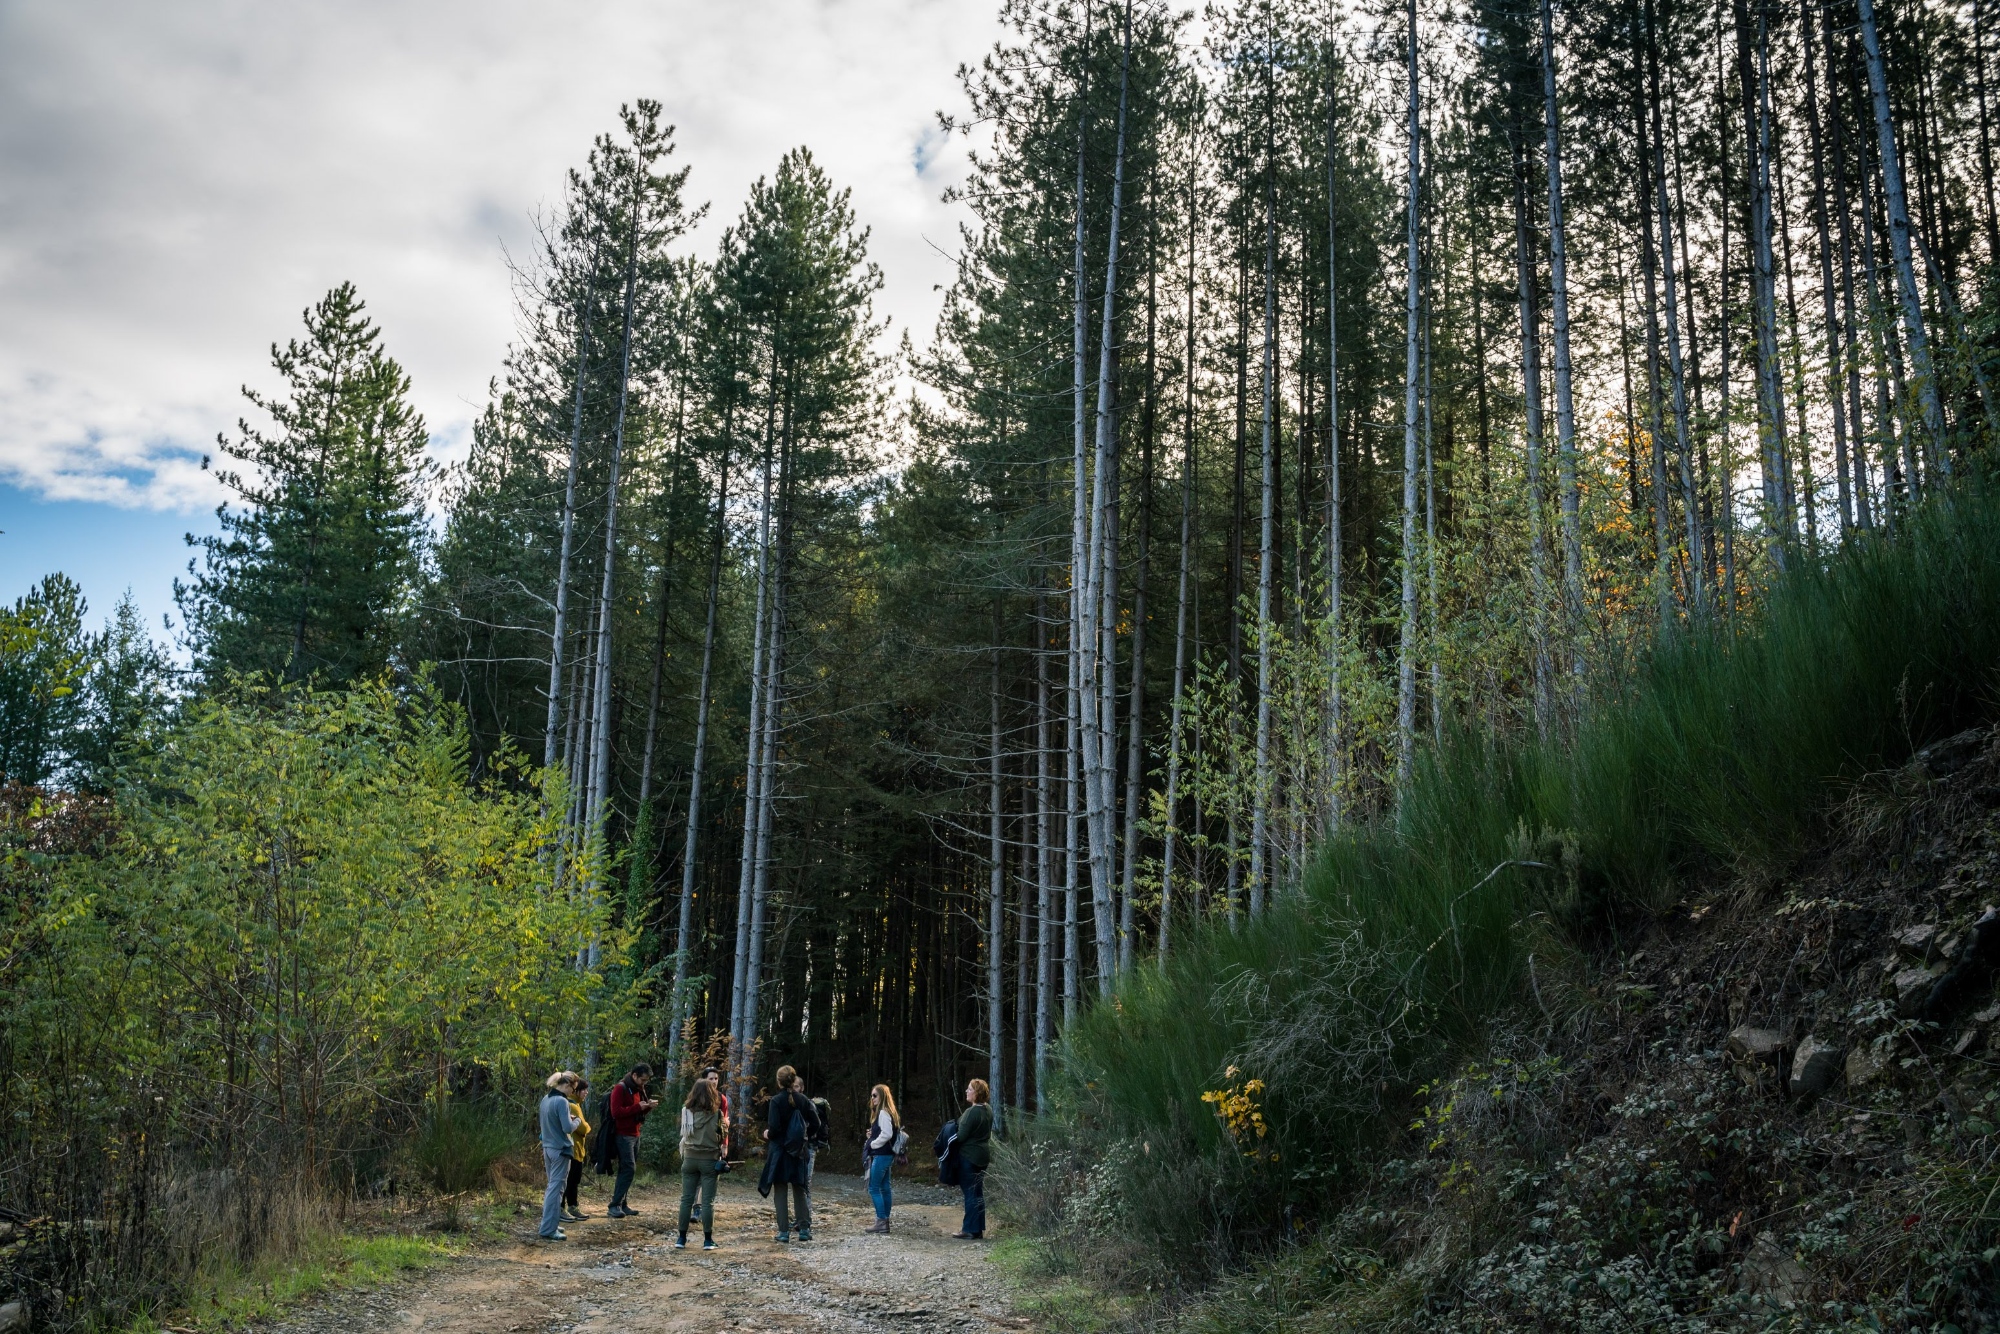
(229, 1296)
(1507, 859)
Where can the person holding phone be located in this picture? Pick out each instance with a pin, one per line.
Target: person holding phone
(629, 1109)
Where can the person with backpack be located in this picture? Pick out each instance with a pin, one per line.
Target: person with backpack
(790, 1125)
(975, 1153)
(885, 1139)
(701, 1150)
(555, 1125)
(713, 1077)
(629, 1107)
(577, 1092)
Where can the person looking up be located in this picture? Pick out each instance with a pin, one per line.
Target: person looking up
(975, 1151)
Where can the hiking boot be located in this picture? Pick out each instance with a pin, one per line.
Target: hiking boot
(557, 1235)
(616, 1211)
(783, 1238)
(805, 1234)
(629, 1211)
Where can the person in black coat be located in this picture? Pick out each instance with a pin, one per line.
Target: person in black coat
(791, 1126)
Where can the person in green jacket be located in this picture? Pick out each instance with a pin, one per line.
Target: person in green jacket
(701, 1152)
(975, 1150)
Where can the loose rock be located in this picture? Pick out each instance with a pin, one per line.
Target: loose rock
(1815, 1066)
(1865, 1065)
(1912, 987)
(1918, 943)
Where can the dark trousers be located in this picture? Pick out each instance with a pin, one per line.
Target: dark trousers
(698, 1180)
(973, 1187)
(628, 1163)
(575, 1183)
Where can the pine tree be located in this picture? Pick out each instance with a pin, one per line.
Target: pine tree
(311, 574)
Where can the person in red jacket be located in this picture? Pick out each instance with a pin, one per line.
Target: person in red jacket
(629, 1109)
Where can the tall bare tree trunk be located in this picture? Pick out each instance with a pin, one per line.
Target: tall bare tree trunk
(753, 750)
(1045, 880)
(558, 640)
(1898, 209)
(597, 812)
(1829, 313)
(1100, 740)
(1260, 795)
(1406, 665)
(1572, 620)
(1181, 600)
(1697, 563)
(1081, 638)
(685, 930)
(996, 921)
(1333, 553)
(1531, 392)
(1755, 80)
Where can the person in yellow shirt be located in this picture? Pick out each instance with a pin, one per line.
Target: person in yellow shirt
(577, 1138)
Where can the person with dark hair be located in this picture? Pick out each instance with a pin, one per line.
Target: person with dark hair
(975, 1152)
(700, 1151)
(629, 1108)
(791, 1125)
(713, 1078)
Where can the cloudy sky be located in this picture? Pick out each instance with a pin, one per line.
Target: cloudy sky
(179, 180)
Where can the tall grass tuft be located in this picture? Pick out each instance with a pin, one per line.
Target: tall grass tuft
(1720, 754)
(459, 1141)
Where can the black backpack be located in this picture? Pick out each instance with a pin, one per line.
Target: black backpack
(951, 1167)
(798, 1142)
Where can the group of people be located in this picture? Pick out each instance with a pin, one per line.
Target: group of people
(795, 1130)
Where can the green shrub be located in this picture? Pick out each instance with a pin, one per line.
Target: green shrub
(456, 1146)
(1720, 753)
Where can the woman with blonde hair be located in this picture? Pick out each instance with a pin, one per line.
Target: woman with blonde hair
(579, 1088)
(884, 1141)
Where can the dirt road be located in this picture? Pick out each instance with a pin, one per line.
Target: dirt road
(625, 1276)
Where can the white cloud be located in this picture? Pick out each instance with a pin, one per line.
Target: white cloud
(183, 179)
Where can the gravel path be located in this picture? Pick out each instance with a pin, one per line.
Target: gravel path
(625, 1276)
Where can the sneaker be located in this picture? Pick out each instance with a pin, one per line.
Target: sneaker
(557, 1235)
(579, 1214)
(571, 1216)
(784, 1237)
(629, 1211)
(616, 1211)
(708, 1244)
(681, 1242)
(805, 1234)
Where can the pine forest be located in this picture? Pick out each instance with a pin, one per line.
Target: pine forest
(1398, 499)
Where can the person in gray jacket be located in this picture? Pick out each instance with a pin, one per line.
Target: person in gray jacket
(557, 1125)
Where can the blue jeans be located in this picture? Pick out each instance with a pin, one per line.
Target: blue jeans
(878, 1182)
(557, 1162)
(628, 1162)
(973, 1187)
